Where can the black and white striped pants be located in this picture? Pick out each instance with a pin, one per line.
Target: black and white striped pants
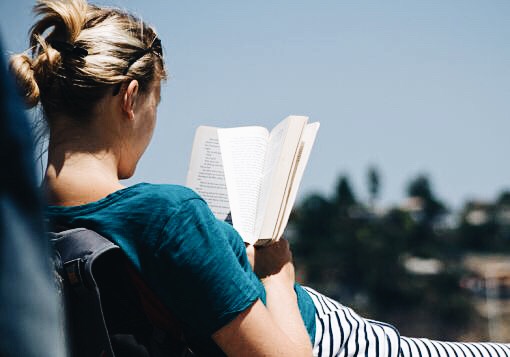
(341, 332)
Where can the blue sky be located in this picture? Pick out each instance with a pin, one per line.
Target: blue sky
(409, 86)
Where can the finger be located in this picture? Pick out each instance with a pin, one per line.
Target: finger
(250, 252)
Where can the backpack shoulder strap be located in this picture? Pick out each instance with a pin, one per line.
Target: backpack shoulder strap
(79, 249)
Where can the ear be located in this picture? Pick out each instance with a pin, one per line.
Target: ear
(129, 98)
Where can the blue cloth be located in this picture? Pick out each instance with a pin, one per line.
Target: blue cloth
(196, 264)
(30, 319)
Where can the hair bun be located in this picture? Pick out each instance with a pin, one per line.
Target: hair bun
(21, 66)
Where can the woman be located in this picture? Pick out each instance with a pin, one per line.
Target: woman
(96, 73)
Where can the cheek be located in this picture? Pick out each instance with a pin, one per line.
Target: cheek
(151, 124)
(148, 128)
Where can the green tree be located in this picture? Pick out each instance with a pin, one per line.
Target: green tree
(421, 188)
(344, 193)
(357, 257)
(374, 184)
(425, 241)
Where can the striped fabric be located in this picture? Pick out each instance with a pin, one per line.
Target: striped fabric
(341, 332)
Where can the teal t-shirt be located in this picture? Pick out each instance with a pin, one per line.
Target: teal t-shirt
(196, 264)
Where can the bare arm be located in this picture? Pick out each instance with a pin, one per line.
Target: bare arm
(275, 330)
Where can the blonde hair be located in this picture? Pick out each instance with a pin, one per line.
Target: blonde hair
(80, 53)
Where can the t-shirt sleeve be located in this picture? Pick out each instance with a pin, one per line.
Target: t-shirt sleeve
(205, 269)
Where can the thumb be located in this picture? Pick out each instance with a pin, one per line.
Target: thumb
(250, 252)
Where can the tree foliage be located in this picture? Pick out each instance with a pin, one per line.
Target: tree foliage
(343, 247)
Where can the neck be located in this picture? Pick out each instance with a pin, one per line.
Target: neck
(80, 170)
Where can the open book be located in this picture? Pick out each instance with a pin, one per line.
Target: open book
(252, 173)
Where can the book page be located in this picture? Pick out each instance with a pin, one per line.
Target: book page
(205, 173)
(282, 149)
(307, 141)
(243, 151)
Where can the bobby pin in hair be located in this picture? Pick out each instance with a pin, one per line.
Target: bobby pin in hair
(154, 47)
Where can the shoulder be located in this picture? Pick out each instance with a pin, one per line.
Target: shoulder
(144, 206)
(172, 204)
(169, 197)
(164, 192)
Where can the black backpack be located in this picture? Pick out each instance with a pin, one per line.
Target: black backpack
(104, 313)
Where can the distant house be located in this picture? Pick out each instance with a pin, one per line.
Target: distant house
(490, 282)
(415, 207)
(477, 213)
(494, 217)
(490, 275)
